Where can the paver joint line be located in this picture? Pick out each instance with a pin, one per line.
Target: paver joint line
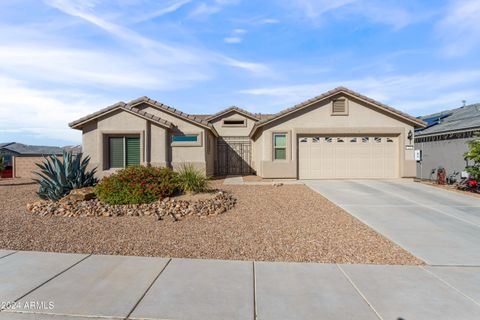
(451, 286)
(146, 291)
(254, 292)
(7, 255)
(358, 291)
(50, 279)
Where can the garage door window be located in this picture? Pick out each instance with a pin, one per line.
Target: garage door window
(280, 146)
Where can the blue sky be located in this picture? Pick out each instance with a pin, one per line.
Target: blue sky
(63, 59)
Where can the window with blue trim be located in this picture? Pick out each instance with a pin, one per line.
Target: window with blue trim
(185, 138)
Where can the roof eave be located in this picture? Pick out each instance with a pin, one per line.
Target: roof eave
(138, 113)
(417, 123)
(232, 109)
(438, 133)
(173, 112)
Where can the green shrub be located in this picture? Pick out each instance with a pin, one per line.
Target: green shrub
(473, 154)
(192, 180)
(58, 177)
(137, 184)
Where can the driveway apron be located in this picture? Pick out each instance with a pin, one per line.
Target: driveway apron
(438, 226)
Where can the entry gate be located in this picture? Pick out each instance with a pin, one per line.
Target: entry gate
(234, 156)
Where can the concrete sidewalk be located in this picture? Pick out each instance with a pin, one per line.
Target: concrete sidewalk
(75, 286)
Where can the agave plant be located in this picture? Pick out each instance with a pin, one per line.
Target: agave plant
(57, 178)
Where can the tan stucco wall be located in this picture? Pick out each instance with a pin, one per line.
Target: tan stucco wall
(155, 145)
(235, 131)
(210, 151)
(317, 119)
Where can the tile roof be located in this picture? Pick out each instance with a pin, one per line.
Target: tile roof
(23, 149)
(233, 108)
(124, 106)
(132, 107)
(171, 110)
(459, 119)
(327, 94)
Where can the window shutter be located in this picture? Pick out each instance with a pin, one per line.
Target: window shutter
(133, 151)
(116, 152)
(339, 106)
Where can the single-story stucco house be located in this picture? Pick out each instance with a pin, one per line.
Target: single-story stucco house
(339, 134)
(443, 141)
(20, 159)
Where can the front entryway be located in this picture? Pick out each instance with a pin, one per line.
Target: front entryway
(233, 156)
(332, 157)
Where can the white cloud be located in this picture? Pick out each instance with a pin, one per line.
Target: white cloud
(239, 31)
(269, 21)
(43, 112)
(172, 7)
(414, 93)
(204, 9)
(168, 54)
(62, 65)
(377, 11)
(460, 28)
(315, 8)
(255, 68)
(232, 39)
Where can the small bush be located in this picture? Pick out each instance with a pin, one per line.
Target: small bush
(136, 185)
(192, 180)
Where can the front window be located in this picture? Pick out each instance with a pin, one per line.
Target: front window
(124, 151)
(280, 146)
(185, 138)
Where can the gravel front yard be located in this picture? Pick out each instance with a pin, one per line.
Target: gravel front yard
(287, 223)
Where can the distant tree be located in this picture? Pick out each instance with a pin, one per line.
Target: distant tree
(2, 162)
(473, 154)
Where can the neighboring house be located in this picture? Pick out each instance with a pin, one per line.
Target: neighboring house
(444, 141)
(339, 134)
(20, 159)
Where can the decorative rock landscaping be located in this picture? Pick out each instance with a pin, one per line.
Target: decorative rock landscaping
(177, 207)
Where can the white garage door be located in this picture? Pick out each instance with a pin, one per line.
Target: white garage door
(330, 157)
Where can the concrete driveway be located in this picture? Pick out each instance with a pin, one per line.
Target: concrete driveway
(438, 226)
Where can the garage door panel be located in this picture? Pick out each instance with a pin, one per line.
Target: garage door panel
(325, 157)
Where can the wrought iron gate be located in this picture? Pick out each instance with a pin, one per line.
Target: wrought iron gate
(233, 156)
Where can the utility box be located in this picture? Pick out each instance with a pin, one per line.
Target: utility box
(418, 155)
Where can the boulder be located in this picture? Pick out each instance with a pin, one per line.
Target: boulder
(83, 194)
